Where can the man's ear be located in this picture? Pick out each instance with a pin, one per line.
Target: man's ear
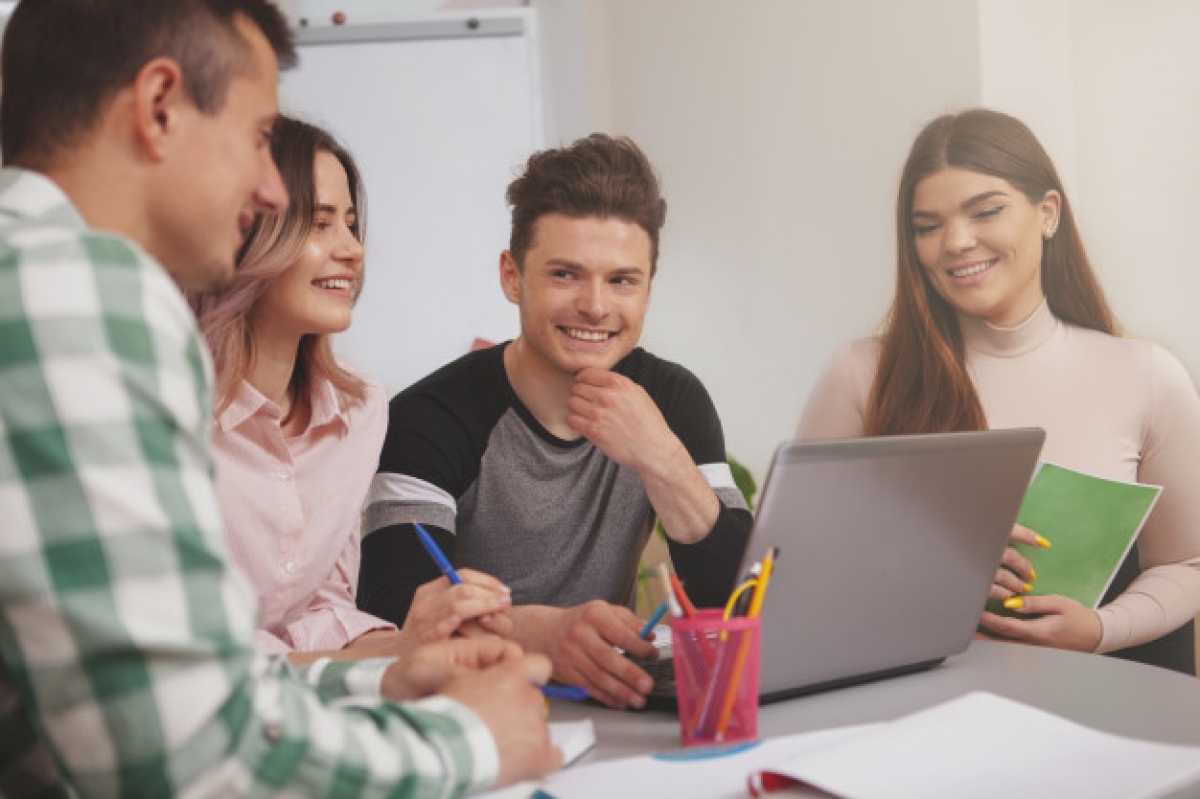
(159, 103)
(510, 278)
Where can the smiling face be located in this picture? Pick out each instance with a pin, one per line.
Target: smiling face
(979, 240)
(315, 295)
(583, 293)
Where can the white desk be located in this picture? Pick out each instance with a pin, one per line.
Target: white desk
(1101, 692)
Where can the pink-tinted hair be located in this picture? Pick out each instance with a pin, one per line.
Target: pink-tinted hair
(272, 246)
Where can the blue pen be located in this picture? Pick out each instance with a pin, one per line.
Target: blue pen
(654, 619)
(573, 693)
(438, 556)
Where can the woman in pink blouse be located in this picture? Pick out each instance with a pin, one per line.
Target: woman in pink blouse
(298, 434)
(999, 321)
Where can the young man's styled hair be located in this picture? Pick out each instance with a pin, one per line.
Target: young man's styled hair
(63, 60)
(273, 245)
(601, 176)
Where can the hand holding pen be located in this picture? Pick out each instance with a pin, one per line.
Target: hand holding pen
(567, 692)
(472, 604)
(439, 557)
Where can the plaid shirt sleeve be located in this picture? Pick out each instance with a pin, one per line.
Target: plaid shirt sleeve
(126, 662)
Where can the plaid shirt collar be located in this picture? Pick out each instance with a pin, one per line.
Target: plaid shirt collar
(26, 195)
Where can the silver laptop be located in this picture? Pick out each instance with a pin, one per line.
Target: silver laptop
(887, 549)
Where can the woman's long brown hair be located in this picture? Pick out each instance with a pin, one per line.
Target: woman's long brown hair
(922, 385)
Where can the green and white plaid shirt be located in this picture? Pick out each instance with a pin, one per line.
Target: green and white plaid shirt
(125, 635)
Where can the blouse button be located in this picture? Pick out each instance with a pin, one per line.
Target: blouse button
(282, 474)
(290, 566)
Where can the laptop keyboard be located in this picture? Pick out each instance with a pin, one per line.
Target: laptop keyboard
(662, 671)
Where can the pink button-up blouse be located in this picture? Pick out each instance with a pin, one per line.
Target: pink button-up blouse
(292, 508)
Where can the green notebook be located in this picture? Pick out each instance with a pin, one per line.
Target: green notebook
(1091, 523)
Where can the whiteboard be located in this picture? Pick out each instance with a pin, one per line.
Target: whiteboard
(440, 116)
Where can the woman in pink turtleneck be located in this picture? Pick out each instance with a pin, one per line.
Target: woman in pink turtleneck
(998, 321)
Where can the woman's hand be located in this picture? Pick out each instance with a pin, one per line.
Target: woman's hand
(1056, 621)
(1015, 574)
(474, 607)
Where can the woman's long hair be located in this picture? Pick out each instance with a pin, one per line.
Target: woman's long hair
(272, 246)
(922, 385)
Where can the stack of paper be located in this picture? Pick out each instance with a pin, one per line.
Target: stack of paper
(978, 745)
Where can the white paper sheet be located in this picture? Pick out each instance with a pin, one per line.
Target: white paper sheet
(574, 738)
(978, 745)
(987, 747)
(697, 775)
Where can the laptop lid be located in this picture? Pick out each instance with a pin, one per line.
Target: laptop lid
(888, 546)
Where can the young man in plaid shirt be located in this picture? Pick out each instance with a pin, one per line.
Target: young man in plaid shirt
(135, 137)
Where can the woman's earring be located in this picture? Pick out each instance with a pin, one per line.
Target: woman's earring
(1049, 231)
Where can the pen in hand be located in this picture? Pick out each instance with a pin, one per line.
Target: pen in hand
(438, 556)
(654, 619)
(573, 693)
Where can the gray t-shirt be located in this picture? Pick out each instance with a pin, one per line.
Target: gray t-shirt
(557, 521)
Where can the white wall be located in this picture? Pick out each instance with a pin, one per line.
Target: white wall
(1112, 88)
(1027, 70)
(1137, 100)
(779, 127)
(577, 94)
(449, 123)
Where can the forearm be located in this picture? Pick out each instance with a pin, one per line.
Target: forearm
(535, 627)
(683, 500)
(1161, 599)
(708, 568)
(333, 626)
(439, 744)
(385, 643)
(332, 621)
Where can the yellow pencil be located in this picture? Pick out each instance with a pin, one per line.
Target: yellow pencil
(756, 602)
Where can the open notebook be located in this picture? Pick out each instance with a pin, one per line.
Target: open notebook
(949, 750)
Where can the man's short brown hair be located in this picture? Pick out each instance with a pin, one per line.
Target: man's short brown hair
(63, 60)
(601, 176)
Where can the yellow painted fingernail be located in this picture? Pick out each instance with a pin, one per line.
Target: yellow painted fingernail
(1042, 542)
(1026, 588)
(1014, 603)
(1032, 575)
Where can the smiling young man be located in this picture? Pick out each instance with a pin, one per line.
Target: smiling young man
(136, 141)
(547, 460)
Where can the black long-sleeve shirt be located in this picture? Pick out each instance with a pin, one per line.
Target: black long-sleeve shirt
(557, 521)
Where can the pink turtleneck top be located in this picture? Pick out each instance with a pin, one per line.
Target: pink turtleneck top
(1112, 407)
